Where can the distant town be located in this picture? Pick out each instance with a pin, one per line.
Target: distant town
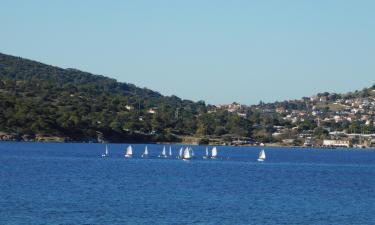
(324, 120)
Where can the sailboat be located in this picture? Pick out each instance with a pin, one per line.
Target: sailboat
(262, 156)
(188, 153)
(214, 153)
(170, 151)
(106, 154)
(129, 152)
(163, 153)
(145, 153)
(180, 153)
(206, 156)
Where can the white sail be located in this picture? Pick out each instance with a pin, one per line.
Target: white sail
(180, 153)
(206, 155)
(170, 151)
(129, 151)
(187, 153)
(214, 152)
(262, 155)
(145, 153)
(163, 153)
(106, 151)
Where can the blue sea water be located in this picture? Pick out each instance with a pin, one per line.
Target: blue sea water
(49, 183)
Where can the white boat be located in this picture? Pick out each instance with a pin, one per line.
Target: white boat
(214, 153)
(262, 156)
(188, 153)
(180, 153)
(145, 153)
(163, 153)
(106, 154)
(207, 154)
(170, 151)
(129, 152)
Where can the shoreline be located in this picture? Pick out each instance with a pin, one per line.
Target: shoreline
(191, 144)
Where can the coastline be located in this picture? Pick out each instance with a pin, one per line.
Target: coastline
(274, 146)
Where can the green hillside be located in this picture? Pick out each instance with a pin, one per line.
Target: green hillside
(39, 101)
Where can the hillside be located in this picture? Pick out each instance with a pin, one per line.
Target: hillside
(41, 101)
(348, 117)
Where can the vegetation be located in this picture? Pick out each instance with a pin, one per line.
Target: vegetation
(39, 100)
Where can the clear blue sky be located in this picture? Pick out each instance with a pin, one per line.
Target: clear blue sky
(218, 51)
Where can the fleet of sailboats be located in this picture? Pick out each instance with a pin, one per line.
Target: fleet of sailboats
(186, 153)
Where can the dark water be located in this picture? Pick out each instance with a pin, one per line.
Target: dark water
(71, 184)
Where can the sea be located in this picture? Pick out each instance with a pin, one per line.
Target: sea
(63, 183)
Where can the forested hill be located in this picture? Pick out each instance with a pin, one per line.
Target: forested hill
(39, 101)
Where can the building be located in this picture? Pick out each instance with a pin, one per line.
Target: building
(336, 143)
(280, 110)
(129, 107)
(309, 142)
(151, 111)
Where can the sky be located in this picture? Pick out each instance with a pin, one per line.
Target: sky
(218, 51)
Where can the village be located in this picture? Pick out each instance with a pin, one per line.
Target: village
(324, 120)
